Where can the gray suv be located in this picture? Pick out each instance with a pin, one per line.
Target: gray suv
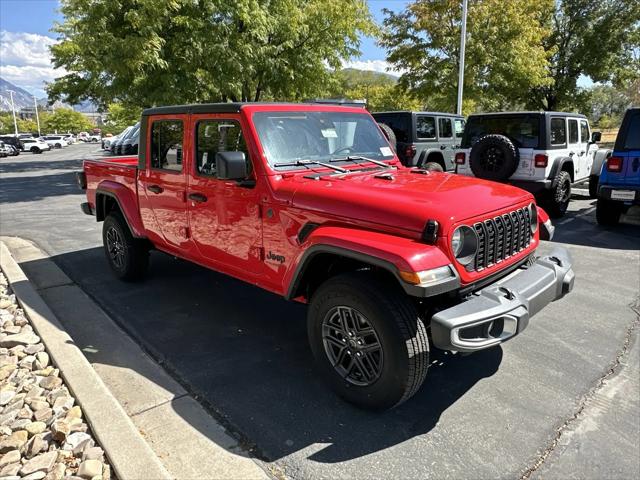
(423, 139)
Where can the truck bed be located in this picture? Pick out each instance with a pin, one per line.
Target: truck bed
(100, 172)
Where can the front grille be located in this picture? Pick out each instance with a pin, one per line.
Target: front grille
(502, 237)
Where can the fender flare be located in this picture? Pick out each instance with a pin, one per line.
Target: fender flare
(331, 242)
(127, 204)
(557, 167)
(425, 155)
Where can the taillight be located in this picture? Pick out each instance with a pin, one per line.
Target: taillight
(410, 152)
(541, 160)
(614, 164)
(460, 157)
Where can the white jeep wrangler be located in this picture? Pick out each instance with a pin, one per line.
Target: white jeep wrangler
(542, 152)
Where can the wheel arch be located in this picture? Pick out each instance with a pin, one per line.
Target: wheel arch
(562, 164)
(431, 155)
(109, 197)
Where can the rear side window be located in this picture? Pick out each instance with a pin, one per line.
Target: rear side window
(459, 123)
(632, 142)
(558, 131)
(573, 131)
(584, 131)
(425, 127)
(166, 145)
(522, 130)
(213, 136)
(445, 128)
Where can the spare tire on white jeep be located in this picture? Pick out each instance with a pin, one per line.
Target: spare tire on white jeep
(494, 157)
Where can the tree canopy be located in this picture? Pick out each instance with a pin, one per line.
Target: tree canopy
(148, 52)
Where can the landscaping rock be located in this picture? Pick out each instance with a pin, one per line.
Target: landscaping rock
(13, 456)
(40, 463)
(27, 338)
(14, 441)
(50, 382)
(35, 427)
(90, 468)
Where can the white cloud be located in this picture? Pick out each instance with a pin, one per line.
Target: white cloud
(25, 60)
(373, 65)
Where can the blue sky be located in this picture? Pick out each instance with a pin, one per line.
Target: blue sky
(25, 37)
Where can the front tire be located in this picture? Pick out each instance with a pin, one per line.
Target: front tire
(368, 341)
(433, 167)
(608, 212)
(127, 256)
(558, 197)
(593, 186)
(35, 150)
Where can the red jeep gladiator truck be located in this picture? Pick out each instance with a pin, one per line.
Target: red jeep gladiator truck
(310, 202)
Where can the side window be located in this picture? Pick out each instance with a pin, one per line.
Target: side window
(632, 140)
(426, 127)
(459, 123)
(584, 132)
(558, 131)
(445, 128)
(166, 145)
(573, 131)
(213, 136)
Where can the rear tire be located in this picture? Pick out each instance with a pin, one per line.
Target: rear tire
(375, 370)
(608, 212)
(127, 256)
(35, 150)
(593, 186)
(557, 199)
(433, 167)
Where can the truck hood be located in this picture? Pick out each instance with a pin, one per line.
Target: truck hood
(405, 199)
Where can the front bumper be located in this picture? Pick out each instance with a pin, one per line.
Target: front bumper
(501, 310)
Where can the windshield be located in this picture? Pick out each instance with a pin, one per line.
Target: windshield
(522, 130)
(319, 136)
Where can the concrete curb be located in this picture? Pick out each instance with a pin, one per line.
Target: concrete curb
(129, 455)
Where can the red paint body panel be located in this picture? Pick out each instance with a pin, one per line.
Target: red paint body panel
(252, 233)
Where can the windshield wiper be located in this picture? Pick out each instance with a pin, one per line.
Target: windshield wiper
(360, 157)
(304, 163)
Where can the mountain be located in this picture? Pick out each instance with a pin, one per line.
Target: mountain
(23, 99)
(353, 76)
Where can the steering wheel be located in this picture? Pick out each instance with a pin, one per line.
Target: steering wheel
(343, 149)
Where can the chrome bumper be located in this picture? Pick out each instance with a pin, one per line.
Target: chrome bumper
(502, 310)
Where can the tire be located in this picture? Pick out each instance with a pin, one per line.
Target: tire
(494, 157)
(127, 256)
(593, 186)
(608, 212)
(433, 167)
(557, 199)
(391, 136)
(35, 150)
(58, 145)
(401, 361)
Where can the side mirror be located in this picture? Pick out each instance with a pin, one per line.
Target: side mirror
(231, 166)
(596, 137)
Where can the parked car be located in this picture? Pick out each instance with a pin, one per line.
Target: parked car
(94, 138)
(105, 140)
(69, 138)
(56, 141)
(4, 150)
(14, 141)
(115, 144)
(35, 145)
(423, 139)
(118, 150)
(130, 143)
(542, 152)
(310, 202)
(619, 186)
(13, 151)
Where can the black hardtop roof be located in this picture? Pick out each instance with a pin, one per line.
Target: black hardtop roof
(531, 112)
(229, 107)
(419, 112)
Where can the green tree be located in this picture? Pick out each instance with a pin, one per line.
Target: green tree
(120, 116)
(504, 58)
(383, 97)
(64, 120)
(6, 122)
(149, 52)
(27, 125)
(596, 38)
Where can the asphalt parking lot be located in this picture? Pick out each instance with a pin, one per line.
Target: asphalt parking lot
(561, 400)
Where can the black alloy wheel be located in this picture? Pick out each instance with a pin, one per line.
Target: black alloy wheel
(352, 346)
(115, 247)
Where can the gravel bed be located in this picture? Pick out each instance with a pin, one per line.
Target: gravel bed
(42, 431)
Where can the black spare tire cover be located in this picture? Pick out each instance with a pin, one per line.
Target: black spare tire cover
(390, 134)
(494, 157)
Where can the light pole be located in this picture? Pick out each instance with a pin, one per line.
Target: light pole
(13, 109)
(35, 104)
(463, 38)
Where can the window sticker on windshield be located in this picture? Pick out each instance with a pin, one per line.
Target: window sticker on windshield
(386, 151)
(329, 133)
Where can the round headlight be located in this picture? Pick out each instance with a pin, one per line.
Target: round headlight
(464, 244)
(533, 217)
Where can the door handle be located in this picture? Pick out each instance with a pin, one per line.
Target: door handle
(155, 189)
(571, 154)
(442, 147)
(581, 153)
(197, 197)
